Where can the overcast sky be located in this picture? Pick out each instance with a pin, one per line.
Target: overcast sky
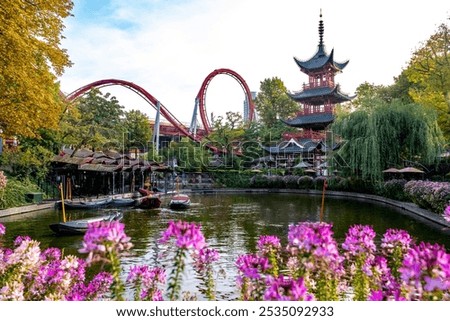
(168, 47)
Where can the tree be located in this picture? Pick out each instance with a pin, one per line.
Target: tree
(137, 126)
(190, 155)
(94, 121)
(272, 102)
(387, 135)
(30, 61)
(429, 70)
(226, 135)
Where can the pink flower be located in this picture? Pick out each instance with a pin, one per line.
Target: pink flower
(447, 213)
(287, 289)
(2, 229)
(187, 235)
(102, 238)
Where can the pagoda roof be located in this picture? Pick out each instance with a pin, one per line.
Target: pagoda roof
(308, 95)
(320, 60)
(313, 121)
(306, 146)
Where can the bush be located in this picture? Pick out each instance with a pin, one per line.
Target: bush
(305, 182)
(232, 178)
(259, 181)
(433, 196)
(13, 194)
(318, 182)
(394, 189)
(275, 181)
(291, 181)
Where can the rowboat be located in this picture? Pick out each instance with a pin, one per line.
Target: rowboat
(89, 204)
(149, 199)
(123, 201)
(180, 202)
(76, 227)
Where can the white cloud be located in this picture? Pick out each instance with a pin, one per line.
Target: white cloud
(169, 47)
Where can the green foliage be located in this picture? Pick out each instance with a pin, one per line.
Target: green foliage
(429, 71)
(95, 121)
(190, 156)
(394, 189)
(305, 182)
(385, 134)
(138, 131)
(232, 178)
(273, 102)
(14, 193)
(30, 61)
(226, 136)
(27, 163)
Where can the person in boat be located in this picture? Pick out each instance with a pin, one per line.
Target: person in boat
(147, 191)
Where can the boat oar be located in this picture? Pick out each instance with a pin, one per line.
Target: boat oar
(62, 202)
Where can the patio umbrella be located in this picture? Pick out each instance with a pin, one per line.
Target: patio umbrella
(410, 170)
(391, 170)
(303, 165)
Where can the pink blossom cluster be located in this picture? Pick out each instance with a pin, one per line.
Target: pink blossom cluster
(434, 196)
(104, 237)
(447, 213)
(187, 235)
(31, 274)
(425, 272)
(147, 281)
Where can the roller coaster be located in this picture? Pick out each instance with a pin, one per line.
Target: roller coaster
(200, 102)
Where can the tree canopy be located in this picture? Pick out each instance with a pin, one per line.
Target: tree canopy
(429, 71)
(272, 102)
(94, 121)
(30, 60)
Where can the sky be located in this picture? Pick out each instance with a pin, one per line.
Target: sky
(169, 47)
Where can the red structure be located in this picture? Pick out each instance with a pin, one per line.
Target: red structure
(318, 98)
(141, 92)
(174, 127)
(201, 96)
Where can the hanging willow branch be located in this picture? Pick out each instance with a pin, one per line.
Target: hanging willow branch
(385, 135)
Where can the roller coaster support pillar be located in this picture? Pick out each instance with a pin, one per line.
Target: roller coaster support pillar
(155, 139)
(193, 126)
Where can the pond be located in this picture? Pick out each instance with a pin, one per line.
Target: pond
(231, 224)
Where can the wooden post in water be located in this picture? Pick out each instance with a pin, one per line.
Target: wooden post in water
(62, 201)
(323, 200)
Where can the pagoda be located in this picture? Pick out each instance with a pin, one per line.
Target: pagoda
(318, 98)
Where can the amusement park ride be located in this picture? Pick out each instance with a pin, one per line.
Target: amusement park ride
(316, 100)
(193, 132)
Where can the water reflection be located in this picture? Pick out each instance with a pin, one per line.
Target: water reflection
(231, 224)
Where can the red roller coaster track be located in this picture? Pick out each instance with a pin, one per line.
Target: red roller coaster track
(201, 96)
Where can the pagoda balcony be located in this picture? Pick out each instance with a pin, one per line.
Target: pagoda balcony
(329, 84)
(316, 110)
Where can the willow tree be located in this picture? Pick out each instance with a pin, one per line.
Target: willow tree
(387, 135)
(30, 60)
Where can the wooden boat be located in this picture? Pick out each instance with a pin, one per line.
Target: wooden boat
(123, 201)
(90, 204)
(76, 227)
(180, 202)
(149, 199)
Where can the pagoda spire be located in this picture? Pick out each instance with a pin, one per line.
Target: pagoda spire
(321, 30)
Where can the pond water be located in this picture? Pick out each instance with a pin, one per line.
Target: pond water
(231, 224)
